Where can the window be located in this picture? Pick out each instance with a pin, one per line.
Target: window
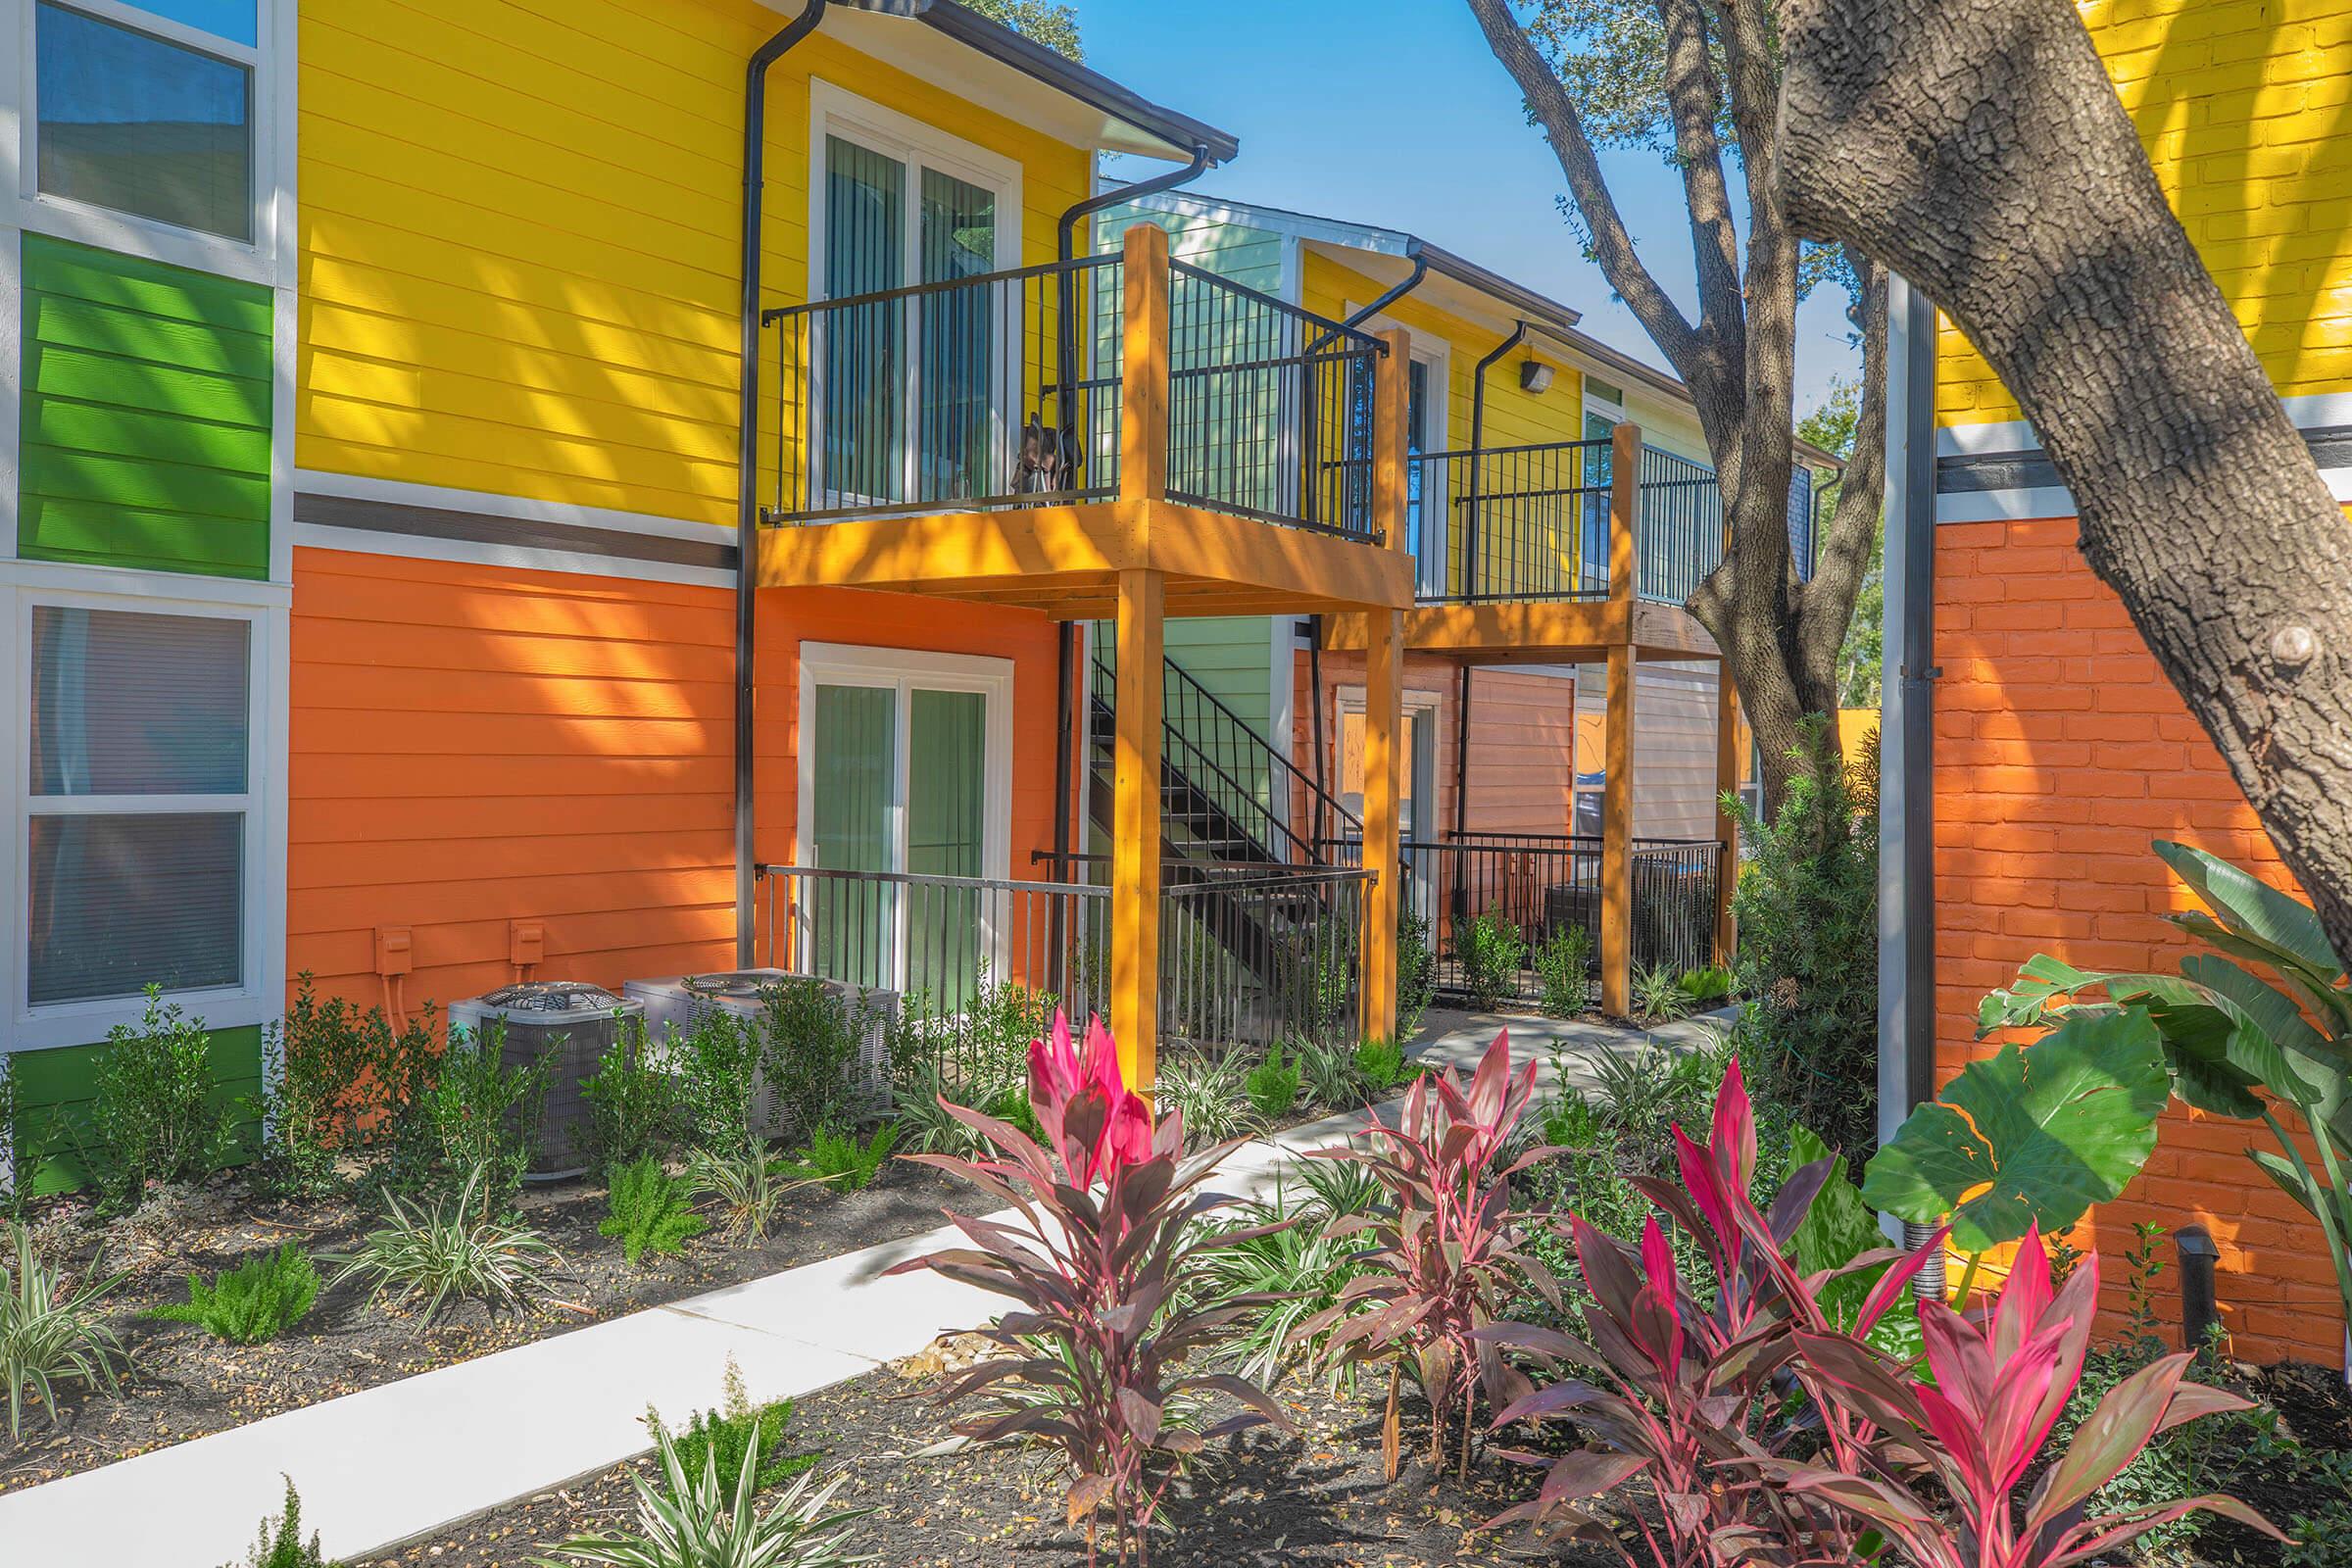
(139, 836)
(149, 109)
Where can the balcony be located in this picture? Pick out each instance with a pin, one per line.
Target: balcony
(1025, 437)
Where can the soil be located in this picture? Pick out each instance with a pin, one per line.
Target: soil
(2313, 1406)
(186, 1384)
(1267, 1500)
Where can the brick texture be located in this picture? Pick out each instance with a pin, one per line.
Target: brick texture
(2061, 753)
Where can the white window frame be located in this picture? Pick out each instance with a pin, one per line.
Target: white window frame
(916, 145)
(259, 994)
(263, 258)
(906, 671)
(1429, 707)
(1435, 354)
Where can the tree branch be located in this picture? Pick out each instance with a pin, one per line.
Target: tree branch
(1694, 101)
(1564, 129)
(1825, 605)
(1979, 148)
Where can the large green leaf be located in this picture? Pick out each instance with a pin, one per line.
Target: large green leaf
(2253, 907)
(1836, 1229)
(2196, 1032)
(2033, 1135)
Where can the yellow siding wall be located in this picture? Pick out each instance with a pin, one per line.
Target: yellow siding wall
(1513, 417)
(2245, 107)
(520, 233)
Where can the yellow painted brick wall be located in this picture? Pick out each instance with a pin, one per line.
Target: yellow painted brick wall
(519, 237)
(2245, 107)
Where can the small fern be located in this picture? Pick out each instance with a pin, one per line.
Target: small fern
(1382, 1066)
(728, 1430)
(259, 1300)
(1272, 1085)
(649, 1210)
(838, 1157)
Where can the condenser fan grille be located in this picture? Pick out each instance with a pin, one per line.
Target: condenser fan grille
(741, 983)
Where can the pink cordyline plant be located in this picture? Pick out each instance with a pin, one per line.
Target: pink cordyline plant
(1102, 1233)
(1682, 1395)
(2000, 1384)
(1442, 1260)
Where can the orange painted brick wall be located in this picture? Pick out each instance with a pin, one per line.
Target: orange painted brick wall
(2061, 751)
(473, 745)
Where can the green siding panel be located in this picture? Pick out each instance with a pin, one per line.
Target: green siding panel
(146, 415)
(54, 1088)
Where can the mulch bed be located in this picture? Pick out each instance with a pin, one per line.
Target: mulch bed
(186, 1384)
(1267, 1500)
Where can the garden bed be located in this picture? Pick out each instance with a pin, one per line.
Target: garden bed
(1266, 1501)
(186, 1384)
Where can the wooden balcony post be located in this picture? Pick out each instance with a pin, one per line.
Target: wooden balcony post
(1136, 828)
(1384, 733)
(1617, 779)
(1391, 375)
(1144, 366)
(1727, 825)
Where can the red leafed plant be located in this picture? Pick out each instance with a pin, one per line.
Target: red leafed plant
(1102, 1234)
(1443, 1256)
(1680, 1395)
(2000, 1383)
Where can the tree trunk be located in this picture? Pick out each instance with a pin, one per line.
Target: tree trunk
(1979, 148)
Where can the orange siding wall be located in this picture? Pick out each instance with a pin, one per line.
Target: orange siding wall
(2061, 751)
(790, 616)
(473, 745)
(1522, 731)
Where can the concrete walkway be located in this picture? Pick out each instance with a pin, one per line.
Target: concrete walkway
(390, 1464)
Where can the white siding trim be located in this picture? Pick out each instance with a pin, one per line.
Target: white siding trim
(470, 552)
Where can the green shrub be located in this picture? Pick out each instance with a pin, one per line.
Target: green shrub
(1806, 902)
(1658, 994)
(1564, 971)
(1314, 985)
(1297, 1266)
(154, 1116)
(476, 1125)
(50, 1333)
(1416, 971)
(1272, 1087)
(810, 1036)
(1210, 1094)
(281, 1544)
(632, 1103)
(1710, 983)
(747, 1181)
(16, 1164)
(1326, 1073)
(258, 1300)
(1491, 953)
(649, 1210)
(983, 1043)
(450, 1252)
(718, 1082)
(729, 1432)
(334, 1079)
(1383, 1065)
(836, 1158)
(696, 1519)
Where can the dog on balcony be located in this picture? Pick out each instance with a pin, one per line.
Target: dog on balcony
(1050, 459)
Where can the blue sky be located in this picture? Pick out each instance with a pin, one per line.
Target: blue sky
(1393, 112)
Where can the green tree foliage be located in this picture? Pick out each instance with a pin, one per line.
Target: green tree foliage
(1053, 25)
(1807, 903)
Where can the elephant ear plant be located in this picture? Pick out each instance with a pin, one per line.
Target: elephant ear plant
(1103, 1235)
(2228, 1032)
(1443, 1254)
(1980, 1428)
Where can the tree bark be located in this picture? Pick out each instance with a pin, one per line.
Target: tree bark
(1979, 148)
(1778, 635)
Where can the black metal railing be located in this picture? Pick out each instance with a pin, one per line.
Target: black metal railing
(1252, 955)
(1526, 890)
(1223, 783)
(1680, 537)
(1510, 522)
(934, 397)
(1269, 408)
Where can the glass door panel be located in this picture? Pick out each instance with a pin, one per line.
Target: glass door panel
(854, 922)
(863, 353)
(947, 822)
(957, 410)
(1594, 548)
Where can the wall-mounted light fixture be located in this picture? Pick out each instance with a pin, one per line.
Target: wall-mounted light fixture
(1535, 376)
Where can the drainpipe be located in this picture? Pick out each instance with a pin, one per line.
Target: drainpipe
(1461, 757)
(1906, 735)
(1065, 369)
(1478, 440)
(747, 451)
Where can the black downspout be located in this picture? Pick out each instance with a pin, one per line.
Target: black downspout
(1314, 681)
(1065, 369)
(1477, 439)
(1461, 756)
(746, 459)
(1411, 282)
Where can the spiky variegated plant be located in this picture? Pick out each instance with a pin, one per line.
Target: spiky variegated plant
(1103, 1232)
